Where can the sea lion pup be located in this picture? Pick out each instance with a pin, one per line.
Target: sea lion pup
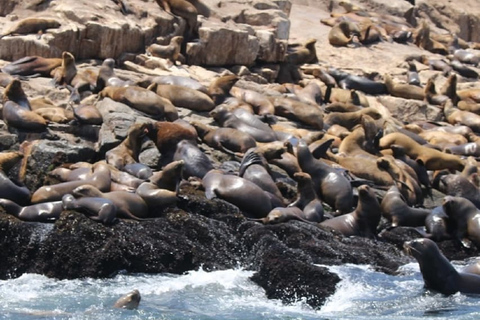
(129, 205)
(196, 163)
(246, 195)
(307, 199)
(129, 301)
(100, 178)
(456, 116)
(342, 33)
(395, 209)
(183, 97)
(351, 119)
(260, 103)
(183, 9)
(458, 185)
(142, 100)
(98, 209)
(329, 183)
(431, 158)
(437, 272)
(407, 184)
(32, 25)
(170, 51)
(42, 212)
(167, 135)
(363, 221)
(402, 90)
(220, 87)
(243, 121)
(254, 168)
(228, 140)
(32, 66)
(311, 115)
(463, 215)
(128, 150)
(306, 53)
(412, 74)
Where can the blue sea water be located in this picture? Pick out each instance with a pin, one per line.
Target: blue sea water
(200, 295)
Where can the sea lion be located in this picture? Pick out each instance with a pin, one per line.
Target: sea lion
(246, 195)
(473, 268)
(139, 170)
(228, 140)
(463, 70)
(342, 33)
(431, 158)
(65, 174)
(330, 184)
(463, 215)
(32, 65)
(438, 273)
(196, 163)
(311, 115)
(100, 178)
(170, 176)
(466, 56)
(129, 301)
(142, 100)
(398, 153)
(350, 119)
(18, 117)
(179, 81)
(307, 199)
(458, 185)
(431, 94)
(170, 51)
(456, 116)
(183, 9)
(423, 40)
(184, 97)
(349, 81)
(129, 205)
(98, 209)
(260, 103)
(11, 191)
(363, 221)
(156, 197)
(32, 25)
(412, 74)
(167, 135)
(42, 212)
(369, 34)
(466, 149)
(65, 74)
(14, 92)
(281, 215)
(395, 209)
(128, 150)
(87, 114)
(436, 225)
(106, 76)
(220, 87)
(305, 53)
(402, 90)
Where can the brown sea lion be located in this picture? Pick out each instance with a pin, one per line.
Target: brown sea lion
(438, 273)
(351, 119)
(16, 116)
(129, 205)
(33, 65)
(401, 90)
(87, 114)
(178, 81)
(166, 135)
(32, 25)
(311, 115)
(98, 209)
(128, 150)
(183, 97)
(182, 9)
(305, 53)
(142, 100)
(456, 116)
(260, 103)
(472, 268)
(423, 40)
(170, 51)
(220, 87)
(341, 34)
(458, 185)
(246, 195)
(42, 212)
(395, 209)
(281, 215)
(363, 221)
(307, 199)
(129, 301)
(64, 74)
(228, 140)
(170, 176)
(14, 92)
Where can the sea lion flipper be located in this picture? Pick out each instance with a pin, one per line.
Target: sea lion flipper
(210, 193)
(321, 150)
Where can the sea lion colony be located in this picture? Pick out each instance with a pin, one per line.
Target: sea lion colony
(360, 169)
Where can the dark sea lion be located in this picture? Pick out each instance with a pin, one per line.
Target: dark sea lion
(464, 216)
(139, 170)
(438, 273)
(184, 97)
(142, 100)
(129, 301)
(196, 163)
(307, 199)
(467, 149)
(458, 185)
(246, 195)
(305, 53)
(18, 117)
(170, 51)
(412, 74)
(466, 56)
(32, 25)
(228, 140)
(32, 65)
(281, 215)
(349, 81)
(11, 191)
(42, 212)
(100, 178)
(106, 76)
(395, 209)
(401, 90)
(330, 184)
(436, 225)
(129, 205)
(98, 209)
(436, 64)
(128, 150)
(463, 70)
(363, 221)
(220, 87)
(433, 159)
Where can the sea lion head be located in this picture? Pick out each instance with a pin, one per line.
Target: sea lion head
(86, 191)
(129, 301)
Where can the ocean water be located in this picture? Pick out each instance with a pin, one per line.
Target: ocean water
(362, 294)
